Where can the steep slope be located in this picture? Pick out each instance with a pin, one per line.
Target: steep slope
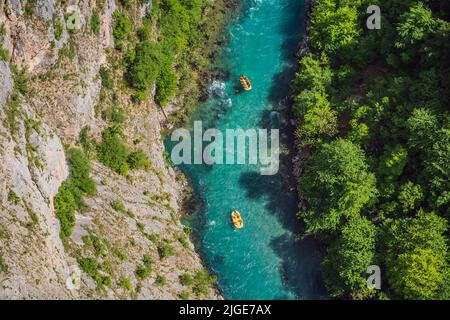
(127, 239)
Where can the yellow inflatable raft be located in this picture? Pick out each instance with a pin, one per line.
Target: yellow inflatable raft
(245, 82)
(237, 219)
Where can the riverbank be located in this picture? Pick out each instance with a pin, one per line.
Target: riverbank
(200, 69)
(302, 154)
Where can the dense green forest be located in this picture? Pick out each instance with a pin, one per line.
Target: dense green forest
(373, 111)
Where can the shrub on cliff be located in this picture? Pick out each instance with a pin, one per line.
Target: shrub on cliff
(144, 66)
(70, 195)
(65, 206)
(112, 151)
(138, 160)
(122, 28)
(166, 84)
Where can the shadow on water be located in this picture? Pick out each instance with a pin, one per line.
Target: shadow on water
(300, 258)
(300, 275)
(281, 81)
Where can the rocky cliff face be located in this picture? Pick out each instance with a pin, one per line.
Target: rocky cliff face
(130, 230)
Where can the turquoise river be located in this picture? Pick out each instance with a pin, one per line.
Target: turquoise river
(267, 259)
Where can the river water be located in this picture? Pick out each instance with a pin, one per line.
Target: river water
(266, 259)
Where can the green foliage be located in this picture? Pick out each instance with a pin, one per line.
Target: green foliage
(165, 250)
(346, 265)
(200, 282)
(118, 206)
(386, 91)
(20, 80)
(80, 171)
(105, 77)
(142, 272)
(100, 248)
(57, 28)
(125, 3)
(95, 23)
(13, 197)
(335, 26)
(166, 84)
(70, 195)
(87, 143)
(337, 185)
(203, 282)
(314, 74)
(393, 162)
(69, 50)
(4, 54)
(112, 151)
(186, 280)
(114, 115)
(93, 268)
(144, 68)
(3, 265)
(122, 29)
(125, 283)
(319, 120)
(138, 160)
(65, 206)
(421, 123)
(179, 26)
(311, 105)
(119, 254)
(160, 281)
(29, 8)
(416, 255)
(12, 113)
(410, 197)
(88, 265)
(415, 27)
(148, 261)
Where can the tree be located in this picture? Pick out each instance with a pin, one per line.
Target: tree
(166, 83)
(410, 196)
(319, 123)
(335, 27)
(422, 125)
(314, 74)
(346, 265)
(419, 33)
(415, 25)
(311, 105)
(336, 185)
(431, 143)
(416, 255)
(417, 275)
(143, 68)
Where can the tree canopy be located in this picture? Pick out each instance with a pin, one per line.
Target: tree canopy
(372, 111)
